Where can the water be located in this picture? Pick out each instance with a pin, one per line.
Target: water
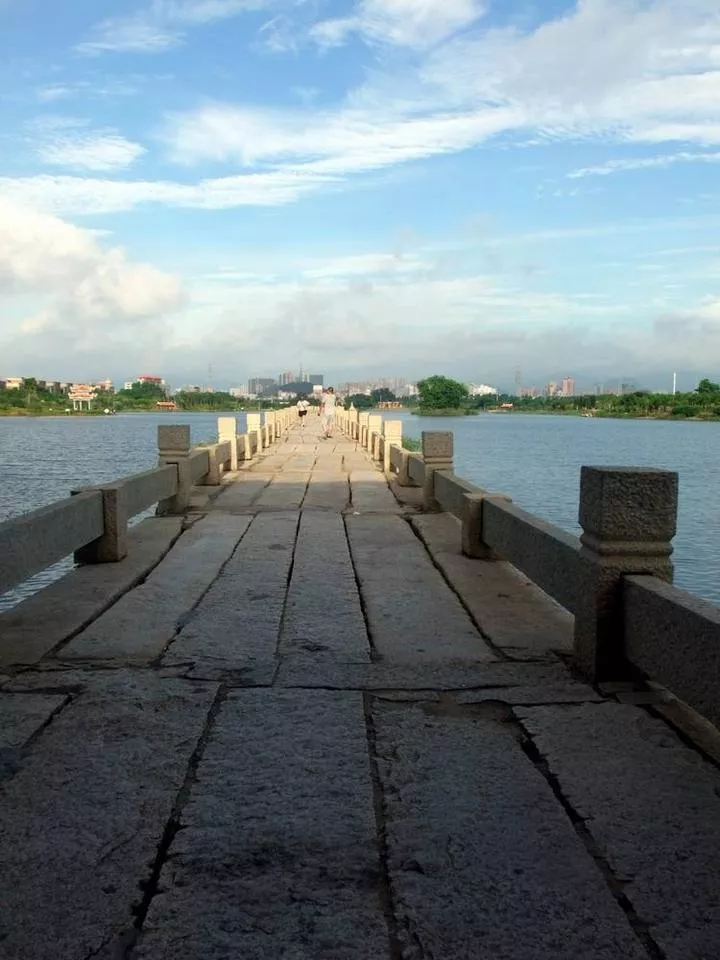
(43, 458)
(534, 459)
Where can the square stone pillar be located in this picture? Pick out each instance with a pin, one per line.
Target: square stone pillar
(227, 432)
(629, 517)
(174, 447)
(112, 545)
(363, 420)
(437, 451)
(353, 423)
(393, 438)
(374, 426)
(270, 426)
(254, 426)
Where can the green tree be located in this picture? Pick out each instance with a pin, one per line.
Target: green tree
(360, 401)
(441, 393)
(382, 395)
(708, 386)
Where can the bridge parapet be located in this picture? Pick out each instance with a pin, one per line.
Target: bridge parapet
(616, 578)
(92, 524)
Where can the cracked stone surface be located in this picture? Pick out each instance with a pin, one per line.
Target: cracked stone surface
(653, 807)
(329, 762)
(81, 820)
(143, 621)
(483, 861)
(278, 854)
(412, 613)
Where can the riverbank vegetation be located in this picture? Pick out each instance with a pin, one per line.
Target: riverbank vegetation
(702, 403)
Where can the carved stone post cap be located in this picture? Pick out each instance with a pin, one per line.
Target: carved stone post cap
(636, 504)
(437, 444)
(175, 437)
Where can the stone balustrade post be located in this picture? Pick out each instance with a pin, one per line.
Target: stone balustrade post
(629, 517)
(374, 426)
(393, 438)
(363, 419)
(227, 431)
(472, 525)
(174, 447)
(437, 451)
(270, 427)
(253, 426)
(353, 423)
(243, 446)
(112, 545)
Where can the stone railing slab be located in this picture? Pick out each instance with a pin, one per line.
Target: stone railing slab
(143, 490)
(674, 638)
(416, 468)
(396, 457)
(450, 492)
(32, 542)
(547, 555)
(199, 464)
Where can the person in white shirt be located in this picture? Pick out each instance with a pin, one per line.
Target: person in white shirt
(302, 407)
(328, 411)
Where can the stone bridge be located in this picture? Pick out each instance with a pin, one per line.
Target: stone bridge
(295, 720)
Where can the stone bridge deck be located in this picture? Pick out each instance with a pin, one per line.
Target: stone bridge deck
(300, 724)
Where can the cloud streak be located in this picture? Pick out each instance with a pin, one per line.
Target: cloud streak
(161, 26)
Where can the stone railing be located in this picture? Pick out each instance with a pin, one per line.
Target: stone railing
(615, 578)
(92, 523)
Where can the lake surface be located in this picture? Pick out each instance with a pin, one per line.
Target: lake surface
(534, 459)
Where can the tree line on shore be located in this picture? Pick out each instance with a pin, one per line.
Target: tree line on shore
(437, 395)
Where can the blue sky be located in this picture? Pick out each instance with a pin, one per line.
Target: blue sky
(378, 187)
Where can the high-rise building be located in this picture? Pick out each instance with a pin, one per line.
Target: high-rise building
(317, 379)
(551, 389)
(260, 384)
(287, 377)
(567, 387)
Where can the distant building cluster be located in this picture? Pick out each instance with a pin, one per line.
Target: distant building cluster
(397, 385)
(285, 386)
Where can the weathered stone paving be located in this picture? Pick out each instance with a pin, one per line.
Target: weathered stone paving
(301, 724)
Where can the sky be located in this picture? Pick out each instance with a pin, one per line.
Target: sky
(218, 189)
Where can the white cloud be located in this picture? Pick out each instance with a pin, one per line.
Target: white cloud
(161, 26)
(104, 152)
(50, 94)
(403, 23)
(86, 291)
(643, 163)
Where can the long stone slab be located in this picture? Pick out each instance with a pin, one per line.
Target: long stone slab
(82, 820)
(278, 856)
(239, 497)
(412, 613)
(483, 861)
(238, 622)
(39, 624)
(327, 490)
(140, 625)
(22, 714)
(323, 616)
(517, 616)
(652, 805)
(370, 493)
(285, 492)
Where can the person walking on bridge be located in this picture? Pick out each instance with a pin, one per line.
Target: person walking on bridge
(328, 412)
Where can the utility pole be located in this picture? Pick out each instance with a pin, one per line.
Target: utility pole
(674, 383)
(518, 381)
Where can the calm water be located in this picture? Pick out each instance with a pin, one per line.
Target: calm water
(534, 459)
